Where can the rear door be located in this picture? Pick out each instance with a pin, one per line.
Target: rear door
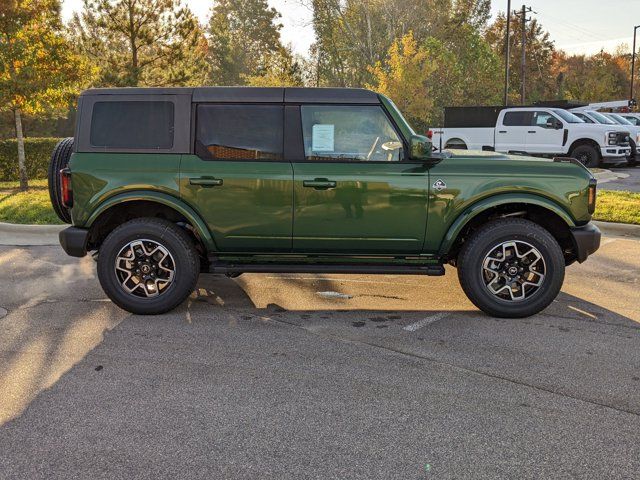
(511, 131)
(354, 191)
(238, 180)
(540, 137)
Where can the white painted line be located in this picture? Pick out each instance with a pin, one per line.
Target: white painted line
(425, 321)
(333, 295)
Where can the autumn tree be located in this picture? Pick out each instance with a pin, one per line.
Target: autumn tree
(354, 34)
(142, 42)
(38, 71)
(539, 51)
(244, 43)
(281, 69)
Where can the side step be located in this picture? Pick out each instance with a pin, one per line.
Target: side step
(231, 268)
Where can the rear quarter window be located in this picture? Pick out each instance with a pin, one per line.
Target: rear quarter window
(132, 125)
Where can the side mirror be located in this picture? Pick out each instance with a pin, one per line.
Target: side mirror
(554, 123)
(419, 148)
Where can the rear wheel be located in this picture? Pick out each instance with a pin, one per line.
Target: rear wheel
(511, 268)
(148, 266)
(59, 160)
(587, 155)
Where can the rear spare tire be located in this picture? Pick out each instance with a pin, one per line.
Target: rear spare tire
(59, 160)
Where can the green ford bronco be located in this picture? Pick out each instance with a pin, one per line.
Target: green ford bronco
(166, 183)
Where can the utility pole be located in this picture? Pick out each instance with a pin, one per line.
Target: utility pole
(506, 55)
(523, 62)
(633, 60)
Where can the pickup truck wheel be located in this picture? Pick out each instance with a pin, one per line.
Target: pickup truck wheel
(511, 268)
(59, 160)
(587, 155)
(148, 266)
(632, 160)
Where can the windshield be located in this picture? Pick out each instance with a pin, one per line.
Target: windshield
(404, 126)
(601, 118)
(567, 116)
(619, 119)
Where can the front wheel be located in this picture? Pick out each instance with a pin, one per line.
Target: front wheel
(586, 155)
(148, 266)
(511, 268)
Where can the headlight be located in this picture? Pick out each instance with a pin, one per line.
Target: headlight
(612, 138)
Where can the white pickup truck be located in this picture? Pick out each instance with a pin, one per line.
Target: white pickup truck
(537, 131)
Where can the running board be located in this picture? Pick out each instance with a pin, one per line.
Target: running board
(231, 268)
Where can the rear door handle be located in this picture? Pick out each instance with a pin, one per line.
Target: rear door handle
(319, 183)
(206, 181)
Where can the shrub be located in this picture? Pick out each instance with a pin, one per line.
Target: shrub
(37, 153)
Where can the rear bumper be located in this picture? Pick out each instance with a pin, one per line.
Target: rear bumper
(74, 241)
(586, 240)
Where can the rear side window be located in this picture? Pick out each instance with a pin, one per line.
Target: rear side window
(517, 119)
(132, 125)
(239, 132)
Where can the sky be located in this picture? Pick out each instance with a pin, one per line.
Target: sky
(576, 26)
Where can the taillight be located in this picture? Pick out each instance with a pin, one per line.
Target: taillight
(66, 193)
(591, 205)
(429, 134)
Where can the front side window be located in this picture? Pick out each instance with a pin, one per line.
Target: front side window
(349, 133)
(540, 119)
(132, 125)
(239, 132)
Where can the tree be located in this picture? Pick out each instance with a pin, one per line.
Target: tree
(141, 42)
(540, 83)
(244, 41)
(281, 70)
(405, 77)
(38, 70)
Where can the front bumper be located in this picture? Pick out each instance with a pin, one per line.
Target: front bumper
(615, 153)
(74, 241)
(586, 240)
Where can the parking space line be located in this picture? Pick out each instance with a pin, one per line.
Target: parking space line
(425, 321)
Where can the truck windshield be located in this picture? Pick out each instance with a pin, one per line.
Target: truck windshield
(567, 116)
(601, 118)
(621, 120)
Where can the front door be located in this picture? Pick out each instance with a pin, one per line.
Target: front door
(353, 191)
(542, 138)
(238, 180)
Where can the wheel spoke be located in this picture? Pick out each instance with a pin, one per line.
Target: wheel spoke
(513, 270)
(144, 268)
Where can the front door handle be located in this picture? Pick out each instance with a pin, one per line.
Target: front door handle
(531, 131)
(206, 181)
(319, 183)
(502, 131)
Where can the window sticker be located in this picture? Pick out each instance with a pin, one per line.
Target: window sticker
(322, 139)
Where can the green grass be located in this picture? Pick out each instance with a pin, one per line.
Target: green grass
(621, 207)
(31, 207)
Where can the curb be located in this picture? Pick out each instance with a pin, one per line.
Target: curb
(29, 235)
(609, 176)
(618, 229)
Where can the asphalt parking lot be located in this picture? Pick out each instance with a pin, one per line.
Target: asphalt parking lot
(309, 376)
(630, 183)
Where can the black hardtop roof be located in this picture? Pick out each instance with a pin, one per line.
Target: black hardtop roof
(250, 94)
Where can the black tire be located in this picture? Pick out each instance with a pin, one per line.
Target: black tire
(185, 259)
(632, 160)
(485, 240)
(587, 155)
(59, 160)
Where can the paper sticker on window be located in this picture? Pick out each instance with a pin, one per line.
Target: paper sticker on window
(322, 138)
